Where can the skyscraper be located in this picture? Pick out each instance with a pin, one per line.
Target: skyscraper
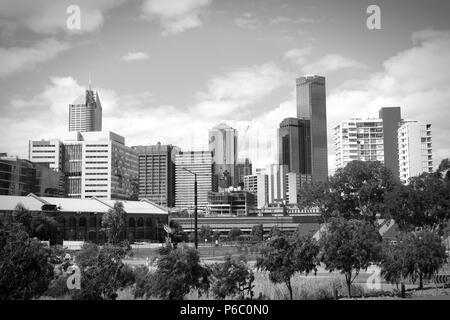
(201, 163)
(311, 110)
(157, 173)
(292, 146)
(85, 114)
(223, 143)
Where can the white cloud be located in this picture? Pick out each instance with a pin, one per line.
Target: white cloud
(135, 56)
(50, 17)
(300, 20)
(247, 20)
(16, 59)
(175, 16)
(298, 55)
(330, 63)
(416, 79)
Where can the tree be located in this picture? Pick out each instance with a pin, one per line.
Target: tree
(114, 222)
(178, 271)
(23, 216)
(429, 255)
(178, 235)
(234, 234)
(88, 255)
(257, 233)
(357, 191)
(25, 268)
(349, 246)
(232, 278)
(422, 204)
(274, 232)
(102, 275)
(284, 257)
(205, 232)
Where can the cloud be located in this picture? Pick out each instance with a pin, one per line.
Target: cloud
(50, 17)
(175, 16)
(330, 63)
(300, 20)
(247, 21)
(17, 59)
(416, 79)
(298, 55)
(135, 56)
(235, 92)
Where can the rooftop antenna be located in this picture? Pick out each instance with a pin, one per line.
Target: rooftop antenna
(90, 82)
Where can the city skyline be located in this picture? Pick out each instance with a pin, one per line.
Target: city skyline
(44, 67)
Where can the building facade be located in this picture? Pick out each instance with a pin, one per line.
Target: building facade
(97, 164)
(85, 114)
(48, 152)
(243, 168)
(392, 119)
(259, 185)
(293, 150)
(236, 203)
(415, 150)
(359, 139)
(157, 173)
(312, 111)
(201, 163)
(223, 143)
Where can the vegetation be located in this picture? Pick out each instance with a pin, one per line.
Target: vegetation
(114, 222)
(232, 278)
(349, 246)
(234, 234)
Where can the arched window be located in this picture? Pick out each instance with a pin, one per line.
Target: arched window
(131, 223)
(140, 222)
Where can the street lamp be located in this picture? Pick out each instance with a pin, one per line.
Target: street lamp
(195, 207)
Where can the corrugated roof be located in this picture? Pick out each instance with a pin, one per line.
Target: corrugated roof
(8, 203)
(136, 206)
(34, 203)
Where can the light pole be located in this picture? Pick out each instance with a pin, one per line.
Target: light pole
(195, 207)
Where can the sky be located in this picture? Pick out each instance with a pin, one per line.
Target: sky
(168, 70)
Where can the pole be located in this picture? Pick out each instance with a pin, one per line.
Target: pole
(195, 211)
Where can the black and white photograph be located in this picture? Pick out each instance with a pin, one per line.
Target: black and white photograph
(224, 154)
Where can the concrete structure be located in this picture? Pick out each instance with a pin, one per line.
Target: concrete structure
(312, 111)
(21, 177)
(80, 219)
(391, 122)
(236, 203)
(48, 152)
(223, 143)
(201, 163)
(95, 164)
(276, 182)
(157, 173)
(259, 185)
(415, 149)
(359, 139)
(85, 114)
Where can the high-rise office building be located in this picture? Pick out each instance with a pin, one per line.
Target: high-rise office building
(415, 150)
(95, 164)
(85, 114)
(200, 163)
(293, 148)
(223, 143)
(311, 110)
(157, 173)
(258, 184)
(276, 182)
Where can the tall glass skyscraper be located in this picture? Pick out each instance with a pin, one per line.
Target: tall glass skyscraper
(312, 112)
(85, 114)
(292, 145)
